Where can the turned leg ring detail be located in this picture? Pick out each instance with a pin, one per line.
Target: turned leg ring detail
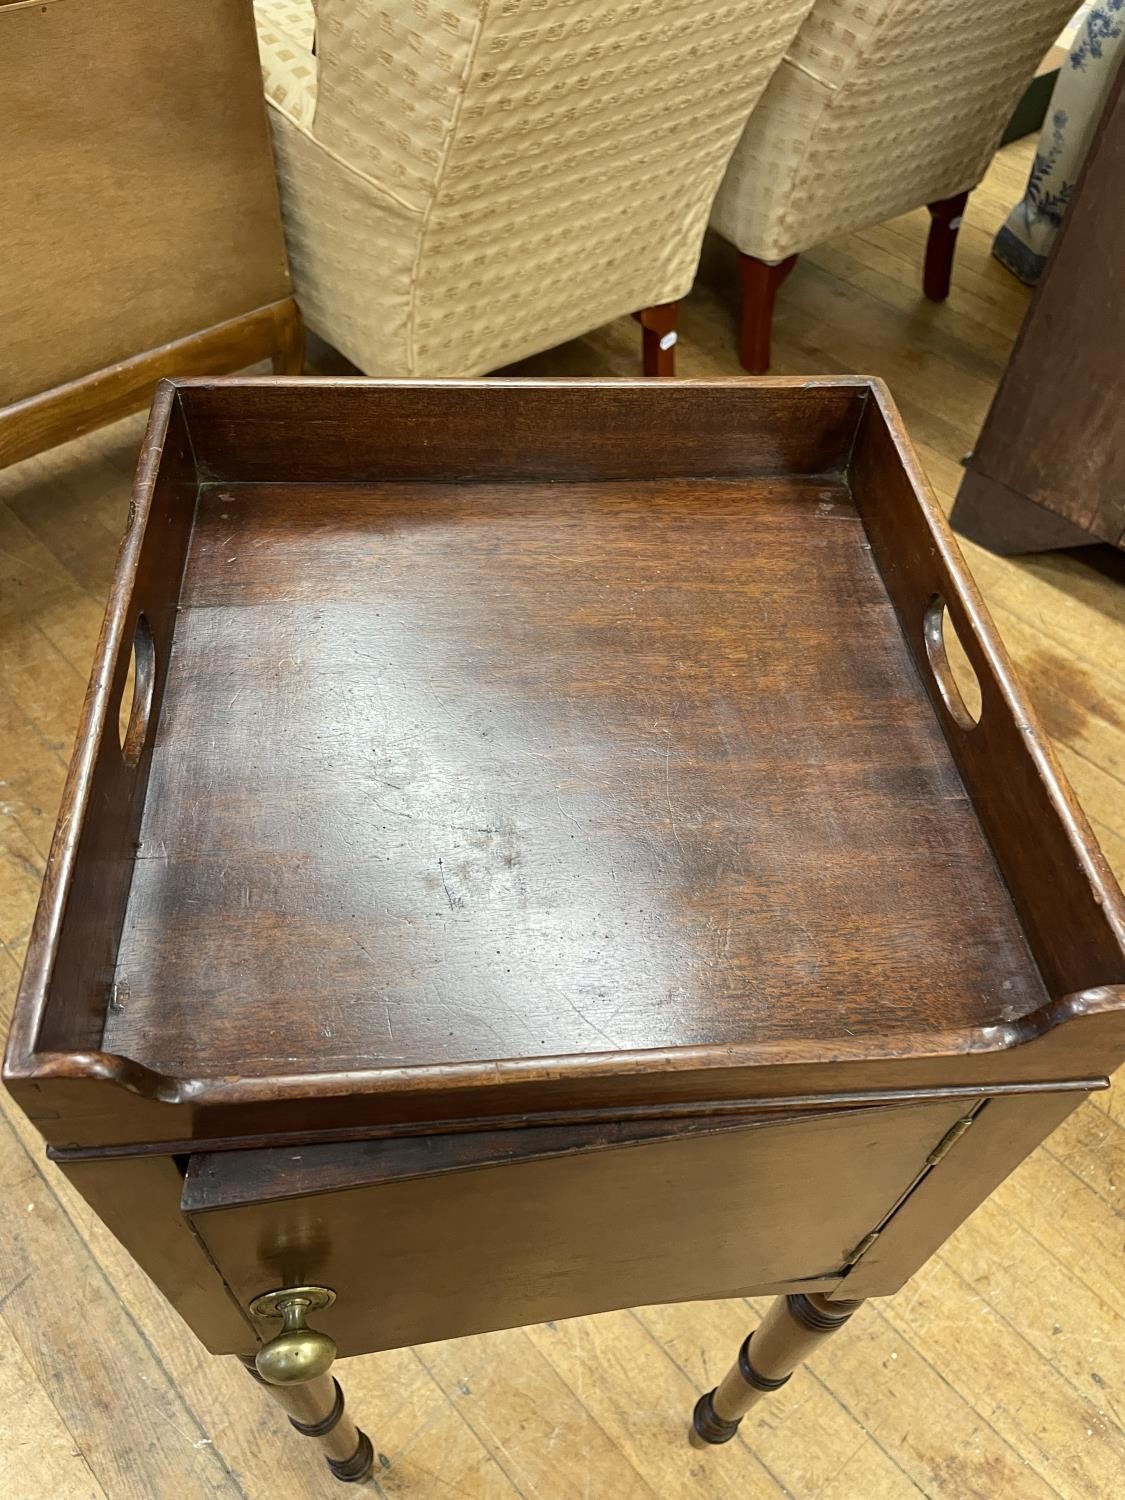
(816, 1319)
(707, 1423)
(765, 1383)
(325, 1426)
(355, 1469)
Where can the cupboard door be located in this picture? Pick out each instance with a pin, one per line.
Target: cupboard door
(434, 1237)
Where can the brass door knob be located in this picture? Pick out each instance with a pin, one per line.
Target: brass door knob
(298, 1353)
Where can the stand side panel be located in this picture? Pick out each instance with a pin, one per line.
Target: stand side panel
(138, 1199)
(1004, 1133)
(1062, 888)
(68, 977)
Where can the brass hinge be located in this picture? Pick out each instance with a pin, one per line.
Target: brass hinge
(953, 1134)
(861, 1249)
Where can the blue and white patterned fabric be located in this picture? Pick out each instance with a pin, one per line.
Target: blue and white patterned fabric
(1076, 105)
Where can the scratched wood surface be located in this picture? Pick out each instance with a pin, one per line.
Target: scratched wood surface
(1000, 1370)
(542, 670)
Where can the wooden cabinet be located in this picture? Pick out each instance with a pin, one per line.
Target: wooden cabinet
(1049, 467)
(544, 863)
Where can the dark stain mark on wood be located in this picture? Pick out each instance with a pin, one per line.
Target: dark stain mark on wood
(1067, 696)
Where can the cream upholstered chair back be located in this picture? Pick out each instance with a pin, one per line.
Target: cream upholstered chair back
(465, 182)
(879, 106)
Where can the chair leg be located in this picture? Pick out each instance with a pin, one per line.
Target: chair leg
(659, 337)
(316, 1410)
(790, 1331)
(945, 221)
(760, 283)
(289, 352)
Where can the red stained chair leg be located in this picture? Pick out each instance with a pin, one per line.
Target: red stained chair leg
(945, 221)
(760, 282)
(659, 337)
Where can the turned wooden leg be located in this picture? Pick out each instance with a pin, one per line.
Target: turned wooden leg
(289, 351)
(659, 338)
(788, 1333)
(760, 283)
(294, 1368)
(316, 1410)
(945, 221)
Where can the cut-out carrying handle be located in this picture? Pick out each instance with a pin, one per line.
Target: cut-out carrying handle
(934, 623)
(134, 713)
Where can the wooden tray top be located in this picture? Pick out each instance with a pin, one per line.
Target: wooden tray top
(450, 773)
(476, 751)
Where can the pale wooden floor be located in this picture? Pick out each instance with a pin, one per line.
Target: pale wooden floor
(999, 1372)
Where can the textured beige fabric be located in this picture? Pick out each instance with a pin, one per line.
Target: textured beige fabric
(285, 43)
(880, 106)
(296, 18)
(469, 181)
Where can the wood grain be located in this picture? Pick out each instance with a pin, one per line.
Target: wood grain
(1046, 469)
(130, 227)
(65, 411)
(1036, 829)
(47, 1267)
(39, 1460)
(635, 1214)
(539, 429)
(894, 1409)
(1002, 1133)
(753, 819)
(815, 841)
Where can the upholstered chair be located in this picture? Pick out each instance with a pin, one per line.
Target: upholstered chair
(879, 106)
(467, 182)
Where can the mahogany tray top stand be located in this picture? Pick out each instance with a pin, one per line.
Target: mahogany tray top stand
(544, 864)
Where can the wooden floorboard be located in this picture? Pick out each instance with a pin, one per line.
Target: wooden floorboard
(998, 1371)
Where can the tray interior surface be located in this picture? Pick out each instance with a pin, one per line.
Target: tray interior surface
(460, 772)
